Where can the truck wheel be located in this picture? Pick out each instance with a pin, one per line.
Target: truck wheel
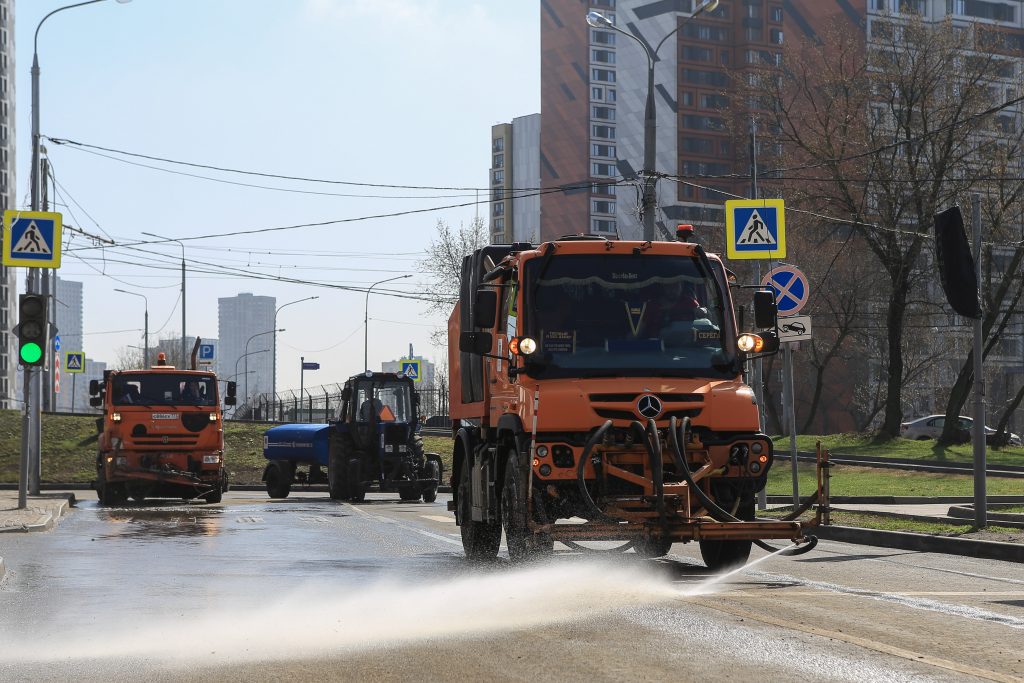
(214, 496)
(480, 540)
(433, 471)
(356, 490)
(279, 480)
(336, 472)
(518, 537)
(652, 547)
(110, 494)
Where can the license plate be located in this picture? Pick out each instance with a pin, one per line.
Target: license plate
(165, 416)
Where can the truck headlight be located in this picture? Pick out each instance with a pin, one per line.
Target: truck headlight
(115, 417)
(749, 343)
(211, 459)
(213, 417)
(527, 346)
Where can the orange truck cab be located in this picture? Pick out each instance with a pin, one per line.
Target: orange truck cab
(598, 393)
(161, 434)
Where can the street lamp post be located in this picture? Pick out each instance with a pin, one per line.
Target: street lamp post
(366, 319)
(273, 381)
(184, 337)
(246, 356)
(145, 332)
(598, 20)
(32, 382)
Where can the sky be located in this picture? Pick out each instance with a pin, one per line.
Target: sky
(393, 92)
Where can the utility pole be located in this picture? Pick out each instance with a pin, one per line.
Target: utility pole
(758, 369)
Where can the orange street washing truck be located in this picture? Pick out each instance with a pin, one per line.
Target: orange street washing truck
(162, 434)
(598, 394)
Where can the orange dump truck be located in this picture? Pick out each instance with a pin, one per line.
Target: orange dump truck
(161, 434)
(597, 394)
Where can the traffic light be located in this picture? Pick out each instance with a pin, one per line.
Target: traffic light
(31, 329)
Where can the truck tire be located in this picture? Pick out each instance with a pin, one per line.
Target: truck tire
(110, 494)
(356, 490)
(214, 496)
(336, 460)
(653, 547)
(725, 555)
(518, 538)
(279, 480)
(480, 540)
(433, 471)
(408, 494)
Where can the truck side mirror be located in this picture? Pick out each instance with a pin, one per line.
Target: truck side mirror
(230, 399)
(96, 401)
(475, 342)
(485, 308)
(765, 310)
(346, 393)
(94, 387)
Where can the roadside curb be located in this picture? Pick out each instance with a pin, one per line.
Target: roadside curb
(48, 516)
(904, 500)
(3, 570)
(988, 550)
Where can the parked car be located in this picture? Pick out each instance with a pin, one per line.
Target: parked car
(930, 427)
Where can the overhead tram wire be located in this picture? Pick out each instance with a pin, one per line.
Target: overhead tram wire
(224, 169)
(338, 221)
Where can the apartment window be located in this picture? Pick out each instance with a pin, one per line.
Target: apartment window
(498, 225)
(597, 150)
(702, 122)
(498, 176)
(879, 5)
(696, 145)
(607, 132)
(606, 113)
(498, 145)
(753, 35)
(597, 93)
(981, 9)
(499, 161)
(599, 169)
(498, 194)
(705, 168)
(776, 36)
(603, 225)
(919, 7)
(499, 208)
(609, 95)
(602, 37)
(714, 101)
(704, 32)
(752, 10)
(602, 56)
(693, 53)
(686, 98)
(610, 4)
(602, 206)
(700, 77)
(602, 76)
(602, 190)
(776, 14)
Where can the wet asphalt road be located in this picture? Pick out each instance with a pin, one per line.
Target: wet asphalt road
(307, 588)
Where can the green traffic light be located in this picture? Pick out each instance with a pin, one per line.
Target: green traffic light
(31, 353)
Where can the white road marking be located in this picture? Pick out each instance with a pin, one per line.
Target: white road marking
(447, 519)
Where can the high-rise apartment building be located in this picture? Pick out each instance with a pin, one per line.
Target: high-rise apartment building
(8, 200)
(69, 320)
(242, 320)
(515, 180)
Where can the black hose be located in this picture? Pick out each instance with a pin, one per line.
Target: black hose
(581, 478)
(713, 509)
(653, 444)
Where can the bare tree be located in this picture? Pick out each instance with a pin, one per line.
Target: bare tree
(883, 136)
(443, 267)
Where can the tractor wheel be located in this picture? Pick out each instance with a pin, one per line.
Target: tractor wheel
(279, 480)
(653, 547)
(433, 471)
(480, 540)
(356, 490)
(336, 483)
(408, 494)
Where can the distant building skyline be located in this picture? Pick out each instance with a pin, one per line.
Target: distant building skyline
(244, 318)
(8, 200)
(514, 180)
(70, 315)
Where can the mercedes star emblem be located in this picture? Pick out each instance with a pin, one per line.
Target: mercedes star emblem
(649, 406)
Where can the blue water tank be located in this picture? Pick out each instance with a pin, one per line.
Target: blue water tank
(306, 443)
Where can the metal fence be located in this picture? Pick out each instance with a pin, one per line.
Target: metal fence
(321, 403)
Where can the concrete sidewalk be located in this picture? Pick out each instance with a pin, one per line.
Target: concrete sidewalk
(42, 513)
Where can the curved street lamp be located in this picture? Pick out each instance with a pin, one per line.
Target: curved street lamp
(145, 332)
(598, 20)
(366, 319)
(273, 380)
(247, 354)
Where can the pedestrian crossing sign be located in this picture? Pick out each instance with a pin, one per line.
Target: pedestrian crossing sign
(755, 228)
(411, 369)
(32, 239)
(75, 362)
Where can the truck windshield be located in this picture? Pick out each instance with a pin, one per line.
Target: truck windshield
(390, 400)
(164, 389)
(596, 314)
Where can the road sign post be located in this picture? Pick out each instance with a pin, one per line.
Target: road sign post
(74, 365)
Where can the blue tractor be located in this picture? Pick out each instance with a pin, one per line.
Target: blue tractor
(374, 440)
